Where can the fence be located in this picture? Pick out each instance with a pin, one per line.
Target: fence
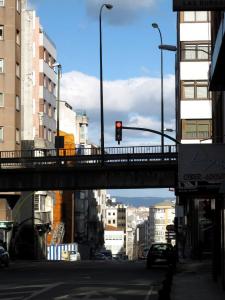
(54, 252)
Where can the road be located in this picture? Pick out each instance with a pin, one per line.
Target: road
(112, 280)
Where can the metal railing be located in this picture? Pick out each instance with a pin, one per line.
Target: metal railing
(70, 157)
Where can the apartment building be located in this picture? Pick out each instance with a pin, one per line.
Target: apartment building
(217, 86)
(194, 109)
(39, 84)
(36, 105)
(10, 75)
(137, 239)
(194, 104)
(114, 241)
(10, 97)
(160, 215)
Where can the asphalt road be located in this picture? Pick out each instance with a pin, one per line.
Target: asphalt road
(109, 280)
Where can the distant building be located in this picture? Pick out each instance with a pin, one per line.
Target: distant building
(160, 215)
(114, 241)
(136, 239)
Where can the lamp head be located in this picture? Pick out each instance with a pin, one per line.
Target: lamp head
(155, 25)
(56, 64)
(109, 6)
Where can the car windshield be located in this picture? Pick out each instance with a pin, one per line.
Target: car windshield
(160, 247)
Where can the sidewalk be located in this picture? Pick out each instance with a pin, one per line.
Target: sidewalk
(193, 280)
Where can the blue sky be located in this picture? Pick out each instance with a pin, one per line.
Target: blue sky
(131, 63)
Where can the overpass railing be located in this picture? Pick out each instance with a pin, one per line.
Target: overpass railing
(89, 155)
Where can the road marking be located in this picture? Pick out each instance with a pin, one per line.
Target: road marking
(150, 293)
(49, 287)
(86, 296)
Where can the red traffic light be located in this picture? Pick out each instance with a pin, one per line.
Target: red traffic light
(118, 124)
(118, 131)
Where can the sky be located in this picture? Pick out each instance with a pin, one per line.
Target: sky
(131, 65)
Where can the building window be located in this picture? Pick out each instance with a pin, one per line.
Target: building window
(45, 107)
(1, 134)
(195, 16)
(109, 221)
(1, 65)
(18, 70)
(49, 85)
(195, 90)
(1, 100)
(45, 133)
(196, 129)
(17, 103)
(49, 135)
(34, 106)
(2, 2)
(17, 136)
(45, 81)
(1, 32)
(18, 37)
(191, 51)
(50, 110)
(44, 54)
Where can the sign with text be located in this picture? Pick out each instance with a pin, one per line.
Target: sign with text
(201, 163)
(211, 5)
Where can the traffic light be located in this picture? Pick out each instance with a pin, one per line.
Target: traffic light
(118, 131)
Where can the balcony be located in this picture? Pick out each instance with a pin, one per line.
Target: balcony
(42, 217)
(5, 214)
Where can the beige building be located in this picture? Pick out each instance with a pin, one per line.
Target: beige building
(10, 95)
(10, 75)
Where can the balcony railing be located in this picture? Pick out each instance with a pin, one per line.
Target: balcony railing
(42, 217)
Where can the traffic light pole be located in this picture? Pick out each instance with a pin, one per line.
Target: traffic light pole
(153, 131)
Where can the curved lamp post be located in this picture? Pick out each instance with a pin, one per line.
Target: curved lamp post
(156, 26)
(108, 6)
(57, 138)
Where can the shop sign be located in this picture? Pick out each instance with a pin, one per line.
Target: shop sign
(6, 224)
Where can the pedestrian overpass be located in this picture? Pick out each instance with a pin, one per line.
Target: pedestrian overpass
(87, 168)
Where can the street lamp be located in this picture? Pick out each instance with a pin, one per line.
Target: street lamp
(168, 48)
(59, 141)
(156, 26)
(108, 6)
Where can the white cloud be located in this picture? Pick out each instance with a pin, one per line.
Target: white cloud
(123, 12)
(135, 101)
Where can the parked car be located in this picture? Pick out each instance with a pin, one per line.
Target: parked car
(107, 253)
(99, 256)
(161, 253)
(74, 255)
(4, 257)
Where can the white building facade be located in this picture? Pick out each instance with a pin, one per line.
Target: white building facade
(194, 106)
(160, 215)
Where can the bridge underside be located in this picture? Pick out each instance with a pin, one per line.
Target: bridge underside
(157, 175)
